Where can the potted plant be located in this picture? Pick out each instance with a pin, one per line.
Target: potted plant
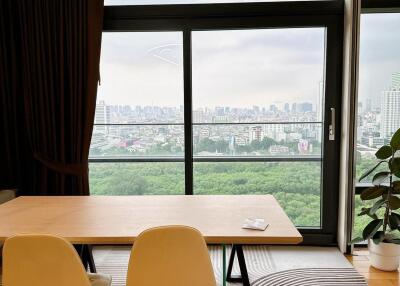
(384, 246)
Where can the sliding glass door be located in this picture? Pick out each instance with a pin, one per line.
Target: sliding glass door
(221, 105)
(257, 115)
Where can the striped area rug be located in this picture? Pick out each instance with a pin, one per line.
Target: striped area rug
(263, 269)
(312, 277)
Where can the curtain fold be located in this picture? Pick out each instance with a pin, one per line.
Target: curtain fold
(59, 53)
(12, 141)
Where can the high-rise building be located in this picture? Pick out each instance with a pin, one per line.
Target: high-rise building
(198, 116)
(273, 108)
(368, 106)
(256, 133)
(305, 107)
(102, 116)
(390, 109)
(219, 111)
(320, 103)
(294, 107)
(286, 108)
(396, 80)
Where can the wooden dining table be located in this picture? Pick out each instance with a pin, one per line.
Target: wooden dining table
(112, 220)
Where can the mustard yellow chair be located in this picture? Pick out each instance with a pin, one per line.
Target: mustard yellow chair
(45, 260)
(170, 256)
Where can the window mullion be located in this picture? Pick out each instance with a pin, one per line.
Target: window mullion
(187, 77)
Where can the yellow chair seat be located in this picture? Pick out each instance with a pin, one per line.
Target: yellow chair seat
(170, 256)
(45, 260)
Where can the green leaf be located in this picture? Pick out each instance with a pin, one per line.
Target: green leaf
(357, 240)
(372, 193)
(378, 237)
(384, 152)
(394, 165)
(364, 211)
(394, 221)
(376, 206)
(396, 187)
(372, 228)
(394, 202)
(380, 177)
(395, 142)
(367, 173)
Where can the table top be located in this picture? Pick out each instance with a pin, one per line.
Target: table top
(120, 219)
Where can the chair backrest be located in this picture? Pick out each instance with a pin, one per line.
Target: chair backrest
(170, 256)
(41, 260)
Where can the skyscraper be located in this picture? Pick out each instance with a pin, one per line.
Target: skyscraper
(294, 107)
(102, 116)
(256, 133)
(273, 108)
(396, 80)
(320, 103)
(390, 108)
(287, 108)
(305, 107)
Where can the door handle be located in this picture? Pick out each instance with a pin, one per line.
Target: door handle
(332, 125)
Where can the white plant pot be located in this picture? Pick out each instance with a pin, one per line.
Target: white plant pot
(384, 256)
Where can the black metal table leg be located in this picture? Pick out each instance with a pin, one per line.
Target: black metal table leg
(90, 259)
(243, 277)
(86, 254)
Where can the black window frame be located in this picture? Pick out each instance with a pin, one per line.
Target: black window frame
(370, 7)
(191, 17)
(375, 7)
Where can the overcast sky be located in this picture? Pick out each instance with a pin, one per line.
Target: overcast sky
(239, 68)
(379, 54)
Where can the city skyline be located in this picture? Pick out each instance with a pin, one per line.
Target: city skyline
(129, 64)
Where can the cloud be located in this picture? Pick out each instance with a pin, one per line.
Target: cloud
(379, 53)
(231, 68)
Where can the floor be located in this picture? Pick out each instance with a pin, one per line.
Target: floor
(260, 260)
(373, 276)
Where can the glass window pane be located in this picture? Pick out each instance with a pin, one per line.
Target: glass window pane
(139, 113)
(241, 77)
(139, 108)
(296, 185)
(137, 178)
(260, 93)
(258, 75)
(379, 86)
(141, 78)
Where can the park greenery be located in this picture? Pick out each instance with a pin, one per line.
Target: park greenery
(296, 185)
(203, 145)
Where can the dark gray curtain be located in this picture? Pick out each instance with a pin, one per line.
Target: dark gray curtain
(12, 122)
(57, 72)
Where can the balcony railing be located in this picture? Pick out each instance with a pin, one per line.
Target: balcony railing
(213, 158)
